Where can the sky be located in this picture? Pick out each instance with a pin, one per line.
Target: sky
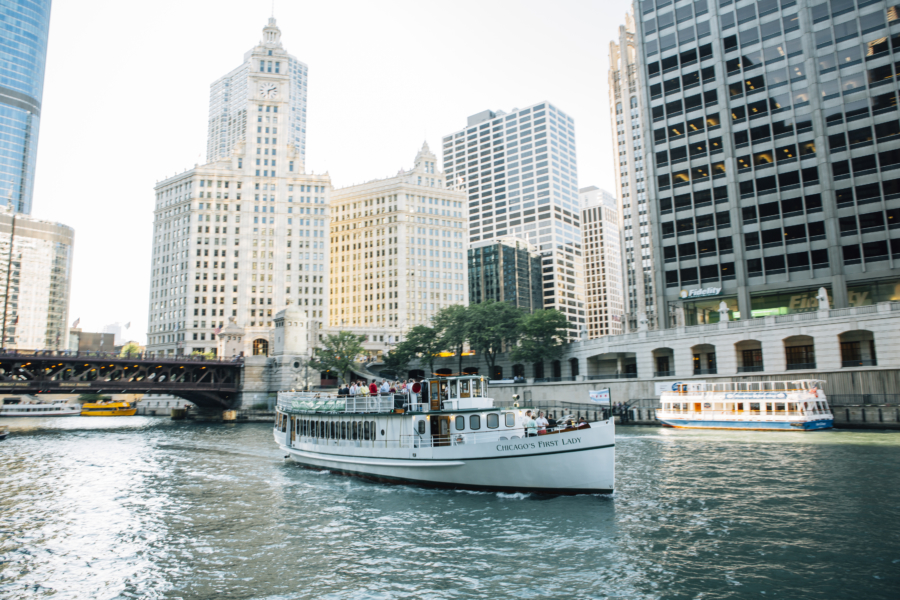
(126, 99)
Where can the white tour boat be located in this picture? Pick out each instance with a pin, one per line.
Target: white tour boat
(58, 408)
(445, 433)
(763, 405)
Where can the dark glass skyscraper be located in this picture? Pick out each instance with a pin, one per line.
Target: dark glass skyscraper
(24, 27)
(505, 270)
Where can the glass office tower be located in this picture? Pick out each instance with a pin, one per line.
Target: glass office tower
(23, 55)
(776, 149)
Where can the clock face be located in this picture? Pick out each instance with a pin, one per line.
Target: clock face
(268, 90)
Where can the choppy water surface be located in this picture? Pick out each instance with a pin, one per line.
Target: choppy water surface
(136, 507)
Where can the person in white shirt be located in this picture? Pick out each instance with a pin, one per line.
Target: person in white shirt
(353, 389)
(385, 387)
(541, 423)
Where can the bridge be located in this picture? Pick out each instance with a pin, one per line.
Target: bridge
(208, 383)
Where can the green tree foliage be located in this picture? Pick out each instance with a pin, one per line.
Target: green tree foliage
(130, 349)
(491, 326)
(209, 355)
(452, 325)
(338, 353)
(397, 362)
(543, 334)
(423, 342)
(93, 398)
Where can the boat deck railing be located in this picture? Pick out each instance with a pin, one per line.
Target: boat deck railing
(743, 413)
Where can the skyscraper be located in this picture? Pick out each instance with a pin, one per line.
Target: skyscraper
(776, 141)
(602, 262)
(228, 98)
(626, 107)
(398, 246)
(23, 55)
(506, 270)
(519, 173)
(245, 235)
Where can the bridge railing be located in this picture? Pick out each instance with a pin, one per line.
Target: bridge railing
(7, 353)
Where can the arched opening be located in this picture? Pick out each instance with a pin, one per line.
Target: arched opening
(538, 370)
(557, 368)
(444, 372)
(518, 370)
(799, 353)
(704, 359)
(749, 356)
(612, 365)
(664, 362)
(857, 348)
(470, 371)
(496, 372)
(260, 347)
(416, 374)
(573, 367)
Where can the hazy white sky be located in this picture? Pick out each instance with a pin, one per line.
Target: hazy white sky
(127, 89)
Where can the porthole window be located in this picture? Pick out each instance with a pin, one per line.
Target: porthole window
(421, 427)
(296, 364)
(493, 421)
(510, 419)
(460, 423)
(475, 422)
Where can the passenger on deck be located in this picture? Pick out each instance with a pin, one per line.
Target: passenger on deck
(385, 387)
(551, 422)
(344, 391)
(354, 390)
(529, 424)
(582, 424)
(541, 423)
(373, 387)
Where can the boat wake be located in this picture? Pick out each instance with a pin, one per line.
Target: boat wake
(514, 496)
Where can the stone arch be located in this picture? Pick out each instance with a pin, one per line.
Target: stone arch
(573, 367)
(260, 347)
(556, 369)
(663, 362)
(749, 355)
(857, 348)
(704, 356)
(799, 352)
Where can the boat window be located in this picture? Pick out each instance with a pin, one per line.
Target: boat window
(464, 388)
(359, 430)
(768, 407)
(453, 389)
(779, 407)
(717, 406)
(353, 432)
(754, 406)
(792, 407)
(343, 430)
(460, 423)
(475, 422)
(421, 427)
(332, 428)
(821, 406)
(372, 428)
(493, 421)
(510, 419)
(476, 388)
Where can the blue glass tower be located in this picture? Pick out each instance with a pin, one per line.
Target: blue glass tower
(24, 27)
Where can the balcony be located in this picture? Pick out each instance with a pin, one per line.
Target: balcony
(664, 373)
(705, 371)
(801, 366)
(753, 369)
(859, 363)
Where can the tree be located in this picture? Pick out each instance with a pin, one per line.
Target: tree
(338, 353)
(491, 325)
(423, 342)
(543, 334)
(93, 398)
(131, 349)
(208, 355)
(397, 362)
(452, 323)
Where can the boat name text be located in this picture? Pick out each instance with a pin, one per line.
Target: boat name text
(756, 396)
(537, 445)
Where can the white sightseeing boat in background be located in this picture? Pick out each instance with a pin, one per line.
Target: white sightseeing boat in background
(446, 433)
(58, 408)
(798, 405)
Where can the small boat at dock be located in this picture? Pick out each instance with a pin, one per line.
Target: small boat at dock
(798, 405)
(445, 433)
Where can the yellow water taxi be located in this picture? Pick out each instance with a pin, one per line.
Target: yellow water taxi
(108, 409)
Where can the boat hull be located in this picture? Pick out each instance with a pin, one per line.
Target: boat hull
(816, 425)
(575, 462)
(66, 413)
(110, 413)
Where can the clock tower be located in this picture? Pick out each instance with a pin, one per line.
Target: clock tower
(273, 80)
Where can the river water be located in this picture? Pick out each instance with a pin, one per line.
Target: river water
(142, 507)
